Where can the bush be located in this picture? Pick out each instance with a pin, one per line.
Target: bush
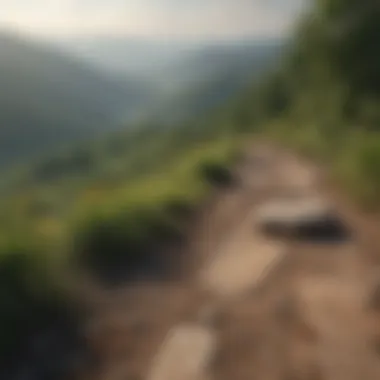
(180, 209)
(216, 174)
(127, 243)
(31, 308)
(358, 168)
(101, 244)
(128, 233)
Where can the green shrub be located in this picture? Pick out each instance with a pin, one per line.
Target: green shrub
(215, 173)
(126, 242)
(358, 168)
(30, 303)
(131, 227)
(180, 209)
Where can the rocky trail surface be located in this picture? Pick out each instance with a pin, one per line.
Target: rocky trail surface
(302, 305)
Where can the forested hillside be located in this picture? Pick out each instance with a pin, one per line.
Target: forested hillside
(189, 79)
(324, 100)
(48, 99)
(213, 75)
(161, 60)
(332, 85)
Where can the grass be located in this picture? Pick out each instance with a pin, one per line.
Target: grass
(353, 157)
(130, 225)
(357, 168)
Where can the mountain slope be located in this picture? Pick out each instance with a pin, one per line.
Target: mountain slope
(189, 78)
(125, 56)
(213, 75)
(47, 98)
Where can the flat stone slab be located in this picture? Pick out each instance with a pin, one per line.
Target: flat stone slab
(299, 216)
(290, 211)
(242, 265)
(185, 354)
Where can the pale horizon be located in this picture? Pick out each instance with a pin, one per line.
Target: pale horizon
(170, 19)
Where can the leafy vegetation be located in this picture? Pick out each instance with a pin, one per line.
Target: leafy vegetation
(324, 100)
(34, 305)
(338, 57)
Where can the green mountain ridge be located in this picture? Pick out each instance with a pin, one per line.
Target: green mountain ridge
(48, 99)
(214, 75)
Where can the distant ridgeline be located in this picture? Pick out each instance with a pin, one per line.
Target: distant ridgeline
(48, 99)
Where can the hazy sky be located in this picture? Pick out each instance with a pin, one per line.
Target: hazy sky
(173, 18)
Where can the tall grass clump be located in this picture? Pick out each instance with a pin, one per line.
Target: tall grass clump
(358, 169)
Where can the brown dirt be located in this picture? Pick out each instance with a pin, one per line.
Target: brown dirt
(129, 325)
(308, 318)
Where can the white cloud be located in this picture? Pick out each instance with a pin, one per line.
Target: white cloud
(190, 18)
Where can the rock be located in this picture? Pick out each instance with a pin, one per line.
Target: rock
(185, 354)
(287, 214)
(302, 218)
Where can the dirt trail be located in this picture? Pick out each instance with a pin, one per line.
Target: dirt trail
(237, 261)
(307, 319)
(330, 283)
(185, 354)
(334, 307)
(255, 307)
(241, 262)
